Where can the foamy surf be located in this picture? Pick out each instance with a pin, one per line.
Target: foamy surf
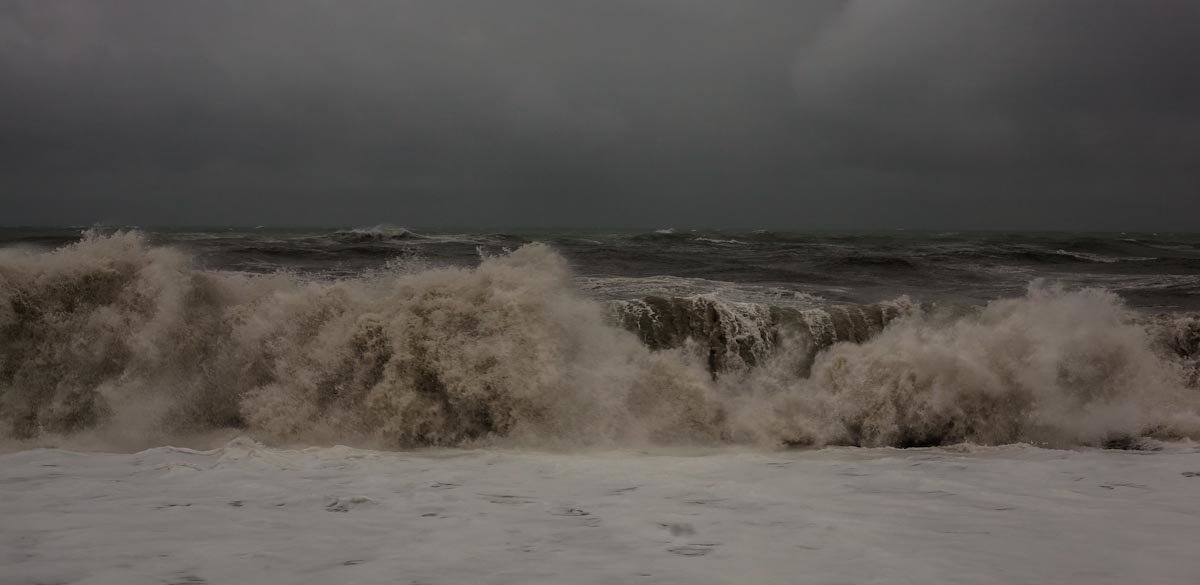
(129, 344)
(248, 513)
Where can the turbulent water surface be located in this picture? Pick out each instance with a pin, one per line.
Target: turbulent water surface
(597, 407)
(393, 338)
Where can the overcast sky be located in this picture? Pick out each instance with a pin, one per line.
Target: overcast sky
(606, 113)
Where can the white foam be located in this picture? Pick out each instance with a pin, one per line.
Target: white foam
(1014, 514)
(630, 287)
(720, 241)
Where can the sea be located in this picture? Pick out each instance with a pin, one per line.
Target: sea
(382, 404)
(402, 337)
(1150, 271)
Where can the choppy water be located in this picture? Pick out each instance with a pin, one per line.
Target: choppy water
(1156, 271)
(388, 336)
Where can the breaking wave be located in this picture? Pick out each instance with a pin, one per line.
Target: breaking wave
(130, 344)
(379, 233)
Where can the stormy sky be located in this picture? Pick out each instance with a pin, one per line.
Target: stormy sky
(602, 113)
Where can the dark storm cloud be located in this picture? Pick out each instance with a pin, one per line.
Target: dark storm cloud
(985, 83)
(620, 112)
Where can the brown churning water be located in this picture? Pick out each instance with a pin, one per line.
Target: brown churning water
(135, 344)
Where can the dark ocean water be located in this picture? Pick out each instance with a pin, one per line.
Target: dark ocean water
(1152, 271)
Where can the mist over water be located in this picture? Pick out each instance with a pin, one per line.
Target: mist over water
(394, 338)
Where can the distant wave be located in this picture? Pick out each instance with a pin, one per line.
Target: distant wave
(128, 343)
(377, 233)
(663, 235)
(873, 249)
(390, 234)
(720, 241)
(1086, 257)
(891, 263)
(1026, 254)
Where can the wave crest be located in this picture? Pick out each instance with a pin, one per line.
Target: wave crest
(379, 233)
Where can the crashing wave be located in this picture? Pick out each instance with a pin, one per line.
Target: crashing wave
(130, 344)
(1054, 367)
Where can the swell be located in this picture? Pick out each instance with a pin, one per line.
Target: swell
(129, 343)
(379, 233)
